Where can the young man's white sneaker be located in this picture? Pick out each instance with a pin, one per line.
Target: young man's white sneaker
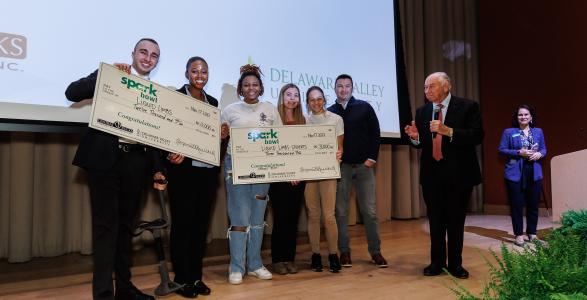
(261, 273)
(235, 278)
(519, 241)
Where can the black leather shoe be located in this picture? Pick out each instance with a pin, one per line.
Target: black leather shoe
(432, 270)
(188, 291)
(132, 294)
(202, 288)
(459, 272)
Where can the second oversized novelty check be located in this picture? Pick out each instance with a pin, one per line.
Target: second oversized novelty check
(143, 111)
(284, 153)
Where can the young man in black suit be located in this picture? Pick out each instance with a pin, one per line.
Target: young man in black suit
(447, 129)
(117, 175)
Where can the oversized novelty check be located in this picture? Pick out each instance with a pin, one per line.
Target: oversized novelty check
(284, 153)
(143, 111)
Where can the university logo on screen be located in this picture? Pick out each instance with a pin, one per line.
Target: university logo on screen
(12, 46)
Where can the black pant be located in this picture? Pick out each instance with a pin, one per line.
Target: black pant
(286, 201)
(520, 196)
(446, 206)
(192, 191)
(115, 198)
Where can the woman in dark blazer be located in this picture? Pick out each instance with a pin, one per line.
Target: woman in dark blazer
(523, 146)
(192, 190)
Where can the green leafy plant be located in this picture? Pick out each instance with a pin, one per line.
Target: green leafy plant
(574, 222)
(568, 297)
(556, 269)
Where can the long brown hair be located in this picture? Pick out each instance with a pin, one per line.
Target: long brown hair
(298, 115)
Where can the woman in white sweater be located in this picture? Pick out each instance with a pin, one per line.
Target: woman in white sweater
(247, 202)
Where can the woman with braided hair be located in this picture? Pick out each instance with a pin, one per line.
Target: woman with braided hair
(247, 202)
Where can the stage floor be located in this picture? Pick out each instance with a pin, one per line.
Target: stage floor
(404, 243)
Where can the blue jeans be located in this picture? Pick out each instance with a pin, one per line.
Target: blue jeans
(246, 208)
(365, 198)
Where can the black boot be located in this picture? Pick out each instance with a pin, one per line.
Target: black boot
(316, 264)
(334, 263)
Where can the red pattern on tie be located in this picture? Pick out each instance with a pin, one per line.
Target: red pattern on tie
(437, 141)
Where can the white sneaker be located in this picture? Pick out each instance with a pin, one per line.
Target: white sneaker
(534, 239)
(261, 273)
(235, 278)
(519, 241)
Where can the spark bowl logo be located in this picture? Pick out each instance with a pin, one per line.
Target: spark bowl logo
(268, 137)
(147, 92)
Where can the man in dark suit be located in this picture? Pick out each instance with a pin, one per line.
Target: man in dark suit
(117, 175)
(447, 129)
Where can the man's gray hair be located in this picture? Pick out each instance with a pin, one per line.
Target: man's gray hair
(443, 77)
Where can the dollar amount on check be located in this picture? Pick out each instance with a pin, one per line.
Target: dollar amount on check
(283, 153)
